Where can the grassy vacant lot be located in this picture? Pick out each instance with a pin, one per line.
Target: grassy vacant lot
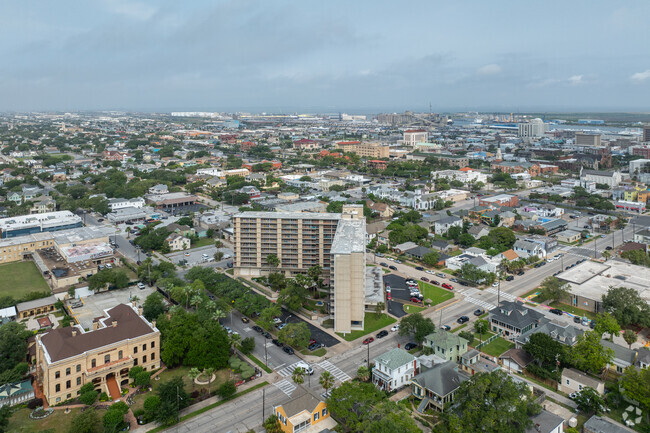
(203, 242)
(19, 278)
(574, 310)
(409, 309)
(497, 347)
(20, 421)
(436, 294)
(372, 323)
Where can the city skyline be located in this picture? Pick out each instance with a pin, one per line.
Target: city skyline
(361, 57)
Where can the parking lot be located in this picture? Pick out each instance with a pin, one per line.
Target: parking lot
(194, 256)
(95, 304)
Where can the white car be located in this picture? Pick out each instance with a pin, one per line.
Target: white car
(495, 284)
(395, 328)
(306, 367)
(141, 286)
(430, 272)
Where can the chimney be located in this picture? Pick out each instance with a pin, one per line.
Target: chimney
(114, 323)
(153, 323)
(140, 310)
(133, 302)
(538, 428)
(74, 332)
(95, 325)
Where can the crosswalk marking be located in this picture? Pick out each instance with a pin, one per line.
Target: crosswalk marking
(285, 386)
(336, 372)
(504, 295)
(288, 371)
(485, 305)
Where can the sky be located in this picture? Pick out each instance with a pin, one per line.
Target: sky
(352, 56)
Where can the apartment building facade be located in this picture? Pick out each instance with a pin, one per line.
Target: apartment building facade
(364, 150)
(68, 358)
(335, 242)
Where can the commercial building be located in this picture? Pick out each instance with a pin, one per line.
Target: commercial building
(500, 200)
(172, 200)
(609, 178)
(587, 139)
(335, 242)
(45, 222)
(121, 203)
(415, 136)
(631, 206)
(534, 128)
(364, 150)
(646, 134)
(68, 358)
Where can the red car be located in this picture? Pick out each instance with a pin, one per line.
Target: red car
(388, 296)
(368, 340)
(425, 279)
(447, 286)
(416, 300)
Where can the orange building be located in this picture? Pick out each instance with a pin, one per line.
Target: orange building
(305, 412)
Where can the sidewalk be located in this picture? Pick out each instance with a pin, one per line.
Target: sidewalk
(554, 395)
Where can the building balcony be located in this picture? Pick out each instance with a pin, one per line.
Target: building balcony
(108, 367)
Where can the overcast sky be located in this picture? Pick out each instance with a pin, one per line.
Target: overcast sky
(327, 55)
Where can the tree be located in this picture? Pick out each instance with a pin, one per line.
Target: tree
(589, 355)
(298, 375)
(151, 406)
(295, 334)
(293, 296)
(351, 403)
(267, 315)
(416, 326)
(193, 374)
(467, 335)
(173, 398)
(227, 390)
(606, 323)
(13, 346)
(466, 240)
(553, 289)
(630, 337)
(545, 350)
(636, 385)
(481, 326)
(277, 281)
(379, 309)
(5, 414)
(113, 419)
(273, 260)
(218, 256)
(363, 373)
(88, 397)
(86, 422)
(431, 258)
(153, 306)
(272, 425)
(627, 306)
(326, 380)
(315, 272)
(491, 403)
(143, 379)
(247, 345)
(590, 401)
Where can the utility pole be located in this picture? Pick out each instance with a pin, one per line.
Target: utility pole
(595, 242)
(263, 404)
(368, 358)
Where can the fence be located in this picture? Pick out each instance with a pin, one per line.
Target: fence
(489, 340)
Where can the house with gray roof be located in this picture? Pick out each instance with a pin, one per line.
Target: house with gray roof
(527, 248)
(546, 422)
(394, 369)
(446, 345)
(597, 424)
(443, 225)
(417, 252)
(642, 357)
(511, 319)
(623, 357)
(559, 331)
(437, 385)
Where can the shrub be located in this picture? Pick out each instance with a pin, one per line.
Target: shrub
(194, 394)
(88, 398)
(34, 403)
(143, 378)
(87, 388)
(247, 345)
(103, 397)
(134, 371)
(138, 413)
(227, 390)
(467, 335)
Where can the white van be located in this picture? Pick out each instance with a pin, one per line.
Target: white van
(306, 367)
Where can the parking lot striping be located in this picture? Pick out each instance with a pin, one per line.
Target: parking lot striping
(336, 372)
(288, 371)
(506, 296)
(285, 386)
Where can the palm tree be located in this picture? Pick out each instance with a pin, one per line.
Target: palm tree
(363, 373)
(298, 375)
(134, 298)
(196, 301)
(235, 339)
(326, 380)
(606, 255)
(193, 374)
(209, 372)
(379, 308)
(218, 314)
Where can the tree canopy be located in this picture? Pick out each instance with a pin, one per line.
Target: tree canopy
(627, 306)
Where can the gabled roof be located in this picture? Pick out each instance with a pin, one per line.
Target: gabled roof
(441, 379)
(515, 314)
(395, 358)
(445, 339)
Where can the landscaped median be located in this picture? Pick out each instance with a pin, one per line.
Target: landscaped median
(211, 406)
(372, 323)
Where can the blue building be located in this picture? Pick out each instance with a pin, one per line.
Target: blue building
(38, 223)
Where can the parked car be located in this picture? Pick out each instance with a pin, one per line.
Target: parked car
(389, 296)
(479, 312)
(382, 334)
(277, 320)
(577, 319)
(445, 328)
(314, 346)
(277, 342)
(391, 267)
(398, 261)
(228, 330)
(368, 340)
(281, 325)
(416, 300)
(440, 275)
(592, 324)
(141, 286)
(608, 248)
(267, 335)
(395, 328)
(453, 280)
(288, 350)
(436, 282)
(258, 329)
(245, 319)
(520, 273)
(585, 321)
(510, 278)
(462, 319)
(557, 311)
(430, 272)
(447, 286)
(425, 279)
(419, 268)
(409, 346)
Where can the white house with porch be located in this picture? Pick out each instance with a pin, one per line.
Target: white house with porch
(394, 369)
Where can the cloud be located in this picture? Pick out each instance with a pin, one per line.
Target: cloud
(130, 9)
(576, 80)
(640, 77)
(491, 69)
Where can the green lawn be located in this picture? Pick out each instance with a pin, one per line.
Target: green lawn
(480, 337)
(464, 325)
(372, 323)
(318, 352)
(410, 309)
(574, 310)
(436, 294)
(497, 347)
(19, 278)
(59, 421)
(203, 242)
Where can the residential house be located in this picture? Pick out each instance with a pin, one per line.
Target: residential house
(251, 191)
(643, 357)
(526, 249)
(478, 231)
(181, 229)
(511, 319)
(178, 242)
(43, 205)
(472, 363)
(375, 231)
(401, 248)
(417, 252)
(304, 412)
(15, 393)
(546, 422)
(383, 209)
(508, 255)
(437, 385)
(36, 307)
(443, 225)
(573, 380)
(568, 236)
(558, 331)
(446, 345)
(443, 246)
(160, 188)
(597, 424)
(623, 357)
(515, 360)
(394, 369)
